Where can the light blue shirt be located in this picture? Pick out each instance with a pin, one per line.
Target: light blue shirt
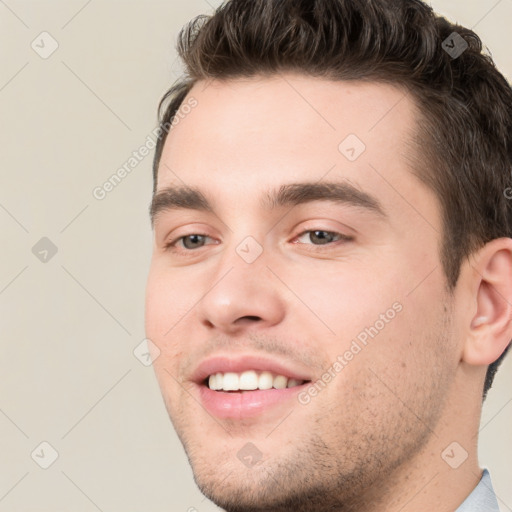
(482, 499)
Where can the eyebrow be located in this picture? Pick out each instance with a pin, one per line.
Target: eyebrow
(288, 195)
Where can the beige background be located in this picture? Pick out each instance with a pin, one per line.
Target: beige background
(69, 326)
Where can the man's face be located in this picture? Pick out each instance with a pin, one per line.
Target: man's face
(341, 299)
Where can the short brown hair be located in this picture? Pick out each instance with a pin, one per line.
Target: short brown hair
(464, 139)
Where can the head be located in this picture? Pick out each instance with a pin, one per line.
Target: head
(331, 205)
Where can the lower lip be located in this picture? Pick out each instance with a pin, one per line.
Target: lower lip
(247, 404)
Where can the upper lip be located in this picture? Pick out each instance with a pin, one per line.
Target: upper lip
(241, 363)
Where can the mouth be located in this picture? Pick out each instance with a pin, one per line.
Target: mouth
(248, 386)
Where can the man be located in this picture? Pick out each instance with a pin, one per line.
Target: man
(331, 285)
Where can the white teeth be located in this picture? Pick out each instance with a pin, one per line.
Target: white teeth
(265, 381)
(292, 383)
(212, 382)
(231, 382)
(280, 382)
(250, 380)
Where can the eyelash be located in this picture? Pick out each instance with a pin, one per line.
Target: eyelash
(171, 246)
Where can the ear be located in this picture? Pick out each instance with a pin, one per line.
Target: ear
(490, 330)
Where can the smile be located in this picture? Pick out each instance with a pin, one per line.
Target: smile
(247, 386)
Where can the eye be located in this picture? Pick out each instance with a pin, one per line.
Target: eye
(188, 242)
(321, 237)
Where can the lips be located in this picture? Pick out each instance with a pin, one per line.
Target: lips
(240, 364)
(241, 404)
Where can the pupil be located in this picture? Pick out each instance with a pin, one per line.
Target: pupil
(321, 236)
(194, 239)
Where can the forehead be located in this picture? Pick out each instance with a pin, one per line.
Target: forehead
(254, 134)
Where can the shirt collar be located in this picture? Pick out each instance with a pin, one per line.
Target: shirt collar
(482, 499)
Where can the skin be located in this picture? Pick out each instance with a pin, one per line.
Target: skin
(373, 438)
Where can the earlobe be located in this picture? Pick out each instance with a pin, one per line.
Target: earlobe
(490, 329)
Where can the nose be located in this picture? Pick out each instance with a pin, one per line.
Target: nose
(242, 295)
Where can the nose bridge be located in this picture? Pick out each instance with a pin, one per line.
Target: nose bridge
(245, 252)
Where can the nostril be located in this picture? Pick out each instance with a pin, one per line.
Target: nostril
(250, 317)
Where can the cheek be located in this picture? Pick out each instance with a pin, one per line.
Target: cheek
(167, 301)
(168, 305)
(406, 362)
(156, 306)
(346, 297)
(379, 311)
